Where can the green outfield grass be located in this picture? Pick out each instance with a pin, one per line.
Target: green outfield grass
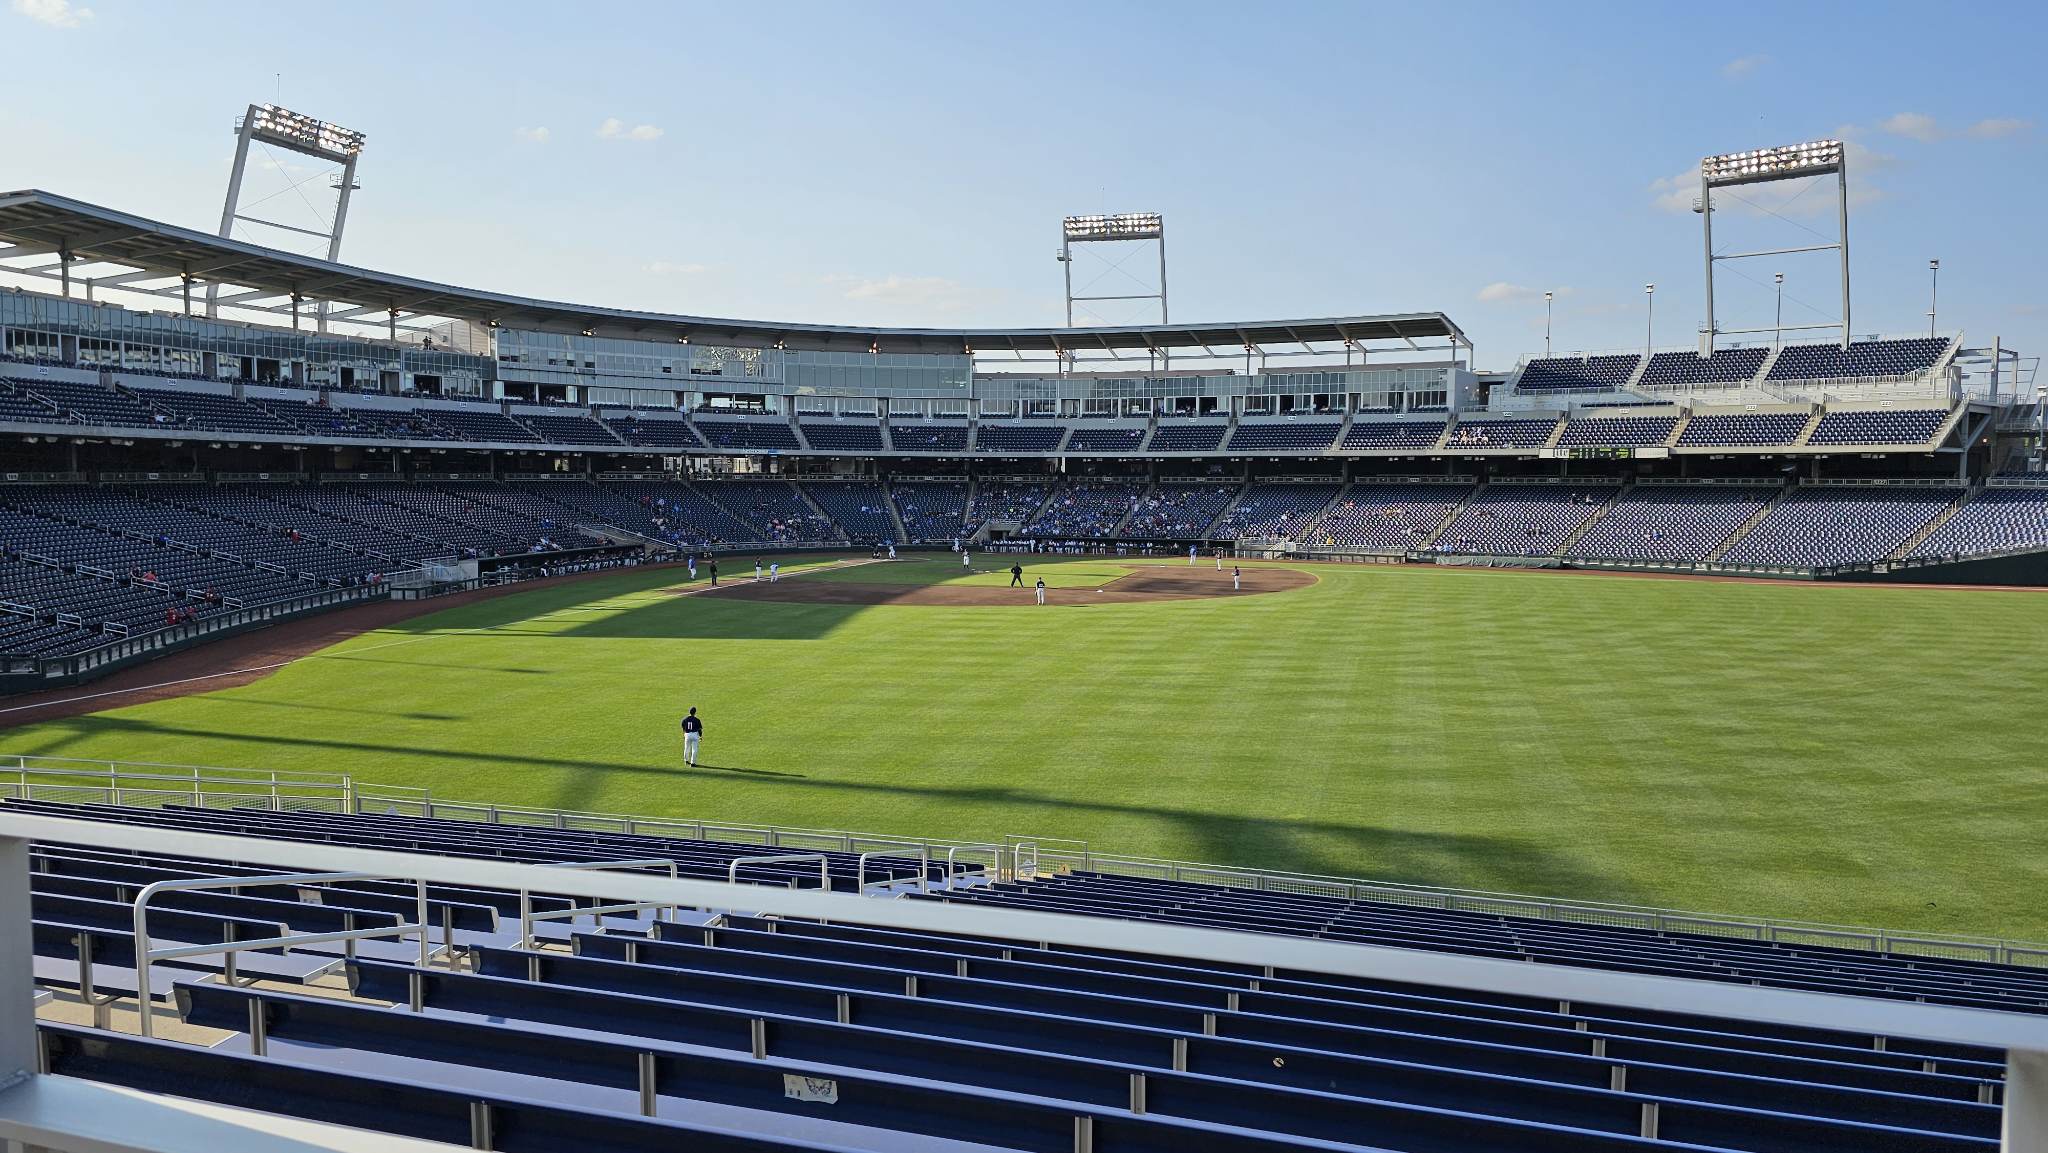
(1845, 753)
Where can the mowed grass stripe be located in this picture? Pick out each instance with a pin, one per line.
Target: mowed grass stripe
(1859, 754)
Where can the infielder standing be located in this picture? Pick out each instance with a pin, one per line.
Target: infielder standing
(1191, 554)
(1041, 590)
(1236, 579)
(757, 568)
(693, 731)
(774, 570)
(963, 559)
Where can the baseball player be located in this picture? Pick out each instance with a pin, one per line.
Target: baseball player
(757, 569)
(1219, 560)
(1041, 590)
(693, 732)
(691, 560)
(1191, 554)
(774, 570)
(1236, 579)
(963, 559)
(1017, 576)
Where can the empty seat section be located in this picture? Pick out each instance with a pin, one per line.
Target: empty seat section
(746, 434)
(1500, 434)
(1185, 436)
(1577, 374)
(1744, 429)
(1106, 438)
(1523, 519)
(1086, 509)
(843, 435)
(1007, 501)
(1995, 520)
(860, 507)
(1879, 359)
(1819, 526)
(1725, 366)
(932, 511)
(1275, 510)
(1393, 434)
(1180, 511)
(773, 509)
(1880, 426)
(1618, 430)
(1284, 436)
(667, 430)
(928, 436)
(999, 438)
(1387, 518)
(1670, 522)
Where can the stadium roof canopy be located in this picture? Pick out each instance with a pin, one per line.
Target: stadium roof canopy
(259, 279)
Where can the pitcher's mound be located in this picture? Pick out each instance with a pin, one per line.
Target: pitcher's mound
(1165, 582)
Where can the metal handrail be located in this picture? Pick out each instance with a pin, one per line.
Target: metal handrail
(732, 872)
(924, 866)
(527, 916)
(145, 955)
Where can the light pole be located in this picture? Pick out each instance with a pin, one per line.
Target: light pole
(1649, 315)
(1778, 327)
(1933, 292)
(1546, 324)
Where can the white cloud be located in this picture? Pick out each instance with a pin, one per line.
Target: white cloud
(535, 135)
(1915, 125)
(614, 128)
(671, 268)
(55, 13)
(1501, 290)
(1999, 126)
(923, 291)
(1743, 66)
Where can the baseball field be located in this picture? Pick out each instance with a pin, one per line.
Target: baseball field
(1855, 754)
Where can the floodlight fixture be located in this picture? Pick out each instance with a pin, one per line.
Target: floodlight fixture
(309, 133)
(1791, 160)
(1117, 226)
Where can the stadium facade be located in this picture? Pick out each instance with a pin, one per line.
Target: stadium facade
(285, 428)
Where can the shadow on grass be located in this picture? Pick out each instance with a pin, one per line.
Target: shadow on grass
(1322, 846)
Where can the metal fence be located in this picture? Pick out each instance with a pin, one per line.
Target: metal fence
(128, 650)
(1013, 856)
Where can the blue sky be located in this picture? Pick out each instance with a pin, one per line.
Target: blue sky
(909, 163)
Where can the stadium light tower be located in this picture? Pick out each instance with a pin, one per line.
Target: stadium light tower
(1119, 227)
(1763, 165)
(307, 136)
(1546, 324)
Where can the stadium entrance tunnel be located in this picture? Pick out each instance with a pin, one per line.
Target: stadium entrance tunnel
(1142, 583)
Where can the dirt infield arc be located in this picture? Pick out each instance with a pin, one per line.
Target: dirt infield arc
(1143, 585)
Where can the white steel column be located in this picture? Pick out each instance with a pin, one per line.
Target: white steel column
(2026, 1101)
(17, 964)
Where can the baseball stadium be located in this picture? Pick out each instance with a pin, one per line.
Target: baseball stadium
(1251, 735)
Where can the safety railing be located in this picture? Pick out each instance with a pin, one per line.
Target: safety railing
(1015, 857)
(732, 872)
(145, 784)
(924, 867)
(145, 955)
(596, 913)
